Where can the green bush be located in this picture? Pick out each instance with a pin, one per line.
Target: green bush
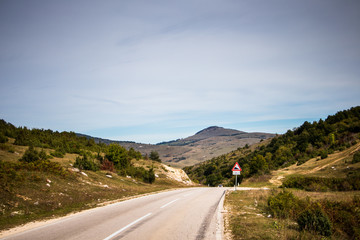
(118, 155)
(155, 156)
(149, 176)
(283, 204)
(356, 157)
(3, 138)
(323, 217)
(60, 153)
(323, 154)
(85, 163)
(315, 219)
(32, 155)
(6, 147)
(9, 176)
(136, 172)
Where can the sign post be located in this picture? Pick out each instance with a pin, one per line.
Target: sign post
(236, 171)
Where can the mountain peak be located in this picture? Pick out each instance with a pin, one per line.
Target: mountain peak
(210, 129)
(214, 131)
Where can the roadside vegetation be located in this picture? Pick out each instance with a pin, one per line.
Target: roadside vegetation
(45, 174)
(291, 214)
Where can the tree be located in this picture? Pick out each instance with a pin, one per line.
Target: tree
(258, 164)
(356, 157)
(86, 163)
(32, 155)
(213, 179)
(155, 156)
(134, 154)
(149, 176)
(118, 155)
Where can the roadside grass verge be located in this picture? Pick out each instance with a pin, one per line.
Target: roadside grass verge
(247, 217)
(292, 214)
(40, 195)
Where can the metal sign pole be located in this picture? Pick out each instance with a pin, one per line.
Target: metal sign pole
(235, 181)
(236, 171)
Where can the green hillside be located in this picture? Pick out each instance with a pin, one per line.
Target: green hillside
(318, 139)
(45, 174)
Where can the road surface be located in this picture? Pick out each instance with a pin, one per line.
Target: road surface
(191, 213)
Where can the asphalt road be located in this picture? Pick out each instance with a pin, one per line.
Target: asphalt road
(191, 213)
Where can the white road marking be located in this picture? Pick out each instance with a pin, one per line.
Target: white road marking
(169, 203)
(127, 226)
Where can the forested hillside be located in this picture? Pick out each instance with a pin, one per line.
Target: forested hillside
(91, 156)
(320, 138)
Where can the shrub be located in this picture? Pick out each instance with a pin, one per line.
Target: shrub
(118, 155)
(323, 154)
(155, 156)
(6, 147)
(107, 165)
(314, 219)
(149, 176)
(32, 155)
(8, 176)
(356, 157)
(283, 205)
(3, 138)
(85, 163)
(60, 153)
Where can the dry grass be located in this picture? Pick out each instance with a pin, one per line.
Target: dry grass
(331, 196)
(335, 165)
(246, 217)
(257, 181)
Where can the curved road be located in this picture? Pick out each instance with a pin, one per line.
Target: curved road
(190, 213)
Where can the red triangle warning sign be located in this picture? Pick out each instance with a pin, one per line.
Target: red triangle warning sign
(236, 168)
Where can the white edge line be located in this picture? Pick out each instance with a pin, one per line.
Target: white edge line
(169, 203)
(127, 226)
(220, 219)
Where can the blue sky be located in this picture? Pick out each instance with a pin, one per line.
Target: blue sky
(152, 71)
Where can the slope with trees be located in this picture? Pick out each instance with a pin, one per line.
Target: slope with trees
(320, 138)
(91, 156)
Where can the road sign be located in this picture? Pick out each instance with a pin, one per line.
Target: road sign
(236, 168)
(236, 171)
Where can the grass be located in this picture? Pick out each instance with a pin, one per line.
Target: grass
(257, 181)
(246, 217)
(331, 196)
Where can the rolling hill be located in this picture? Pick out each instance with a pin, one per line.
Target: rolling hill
(205, 144)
